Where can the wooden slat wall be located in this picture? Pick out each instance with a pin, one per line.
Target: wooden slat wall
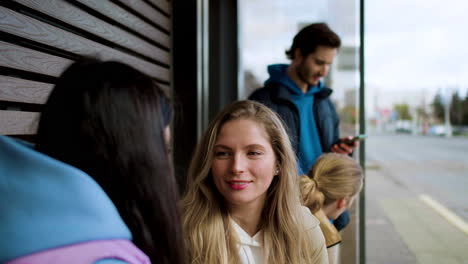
(23, 91)
(40, 38)
(146, 10)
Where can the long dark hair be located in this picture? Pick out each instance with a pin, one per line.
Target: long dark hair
(107, 119)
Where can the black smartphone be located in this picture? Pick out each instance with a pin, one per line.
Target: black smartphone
(356, 138)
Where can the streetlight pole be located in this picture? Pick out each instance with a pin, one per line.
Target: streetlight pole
(447, 102)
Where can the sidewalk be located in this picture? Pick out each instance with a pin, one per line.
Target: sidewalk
(402, 229)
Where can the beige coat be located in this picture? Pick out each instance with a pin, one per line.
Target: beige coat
(332, 236)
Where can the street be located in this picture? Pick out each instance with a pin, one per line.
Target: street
(405, 176)
(436, 166)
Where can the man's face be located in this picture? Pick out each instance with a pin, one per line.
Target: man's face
(315, 66)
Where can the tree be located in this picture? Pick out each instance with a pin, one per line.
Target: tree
(465, 111)
(422, 114)
(456, 110)
(438, 107)
(402, 111)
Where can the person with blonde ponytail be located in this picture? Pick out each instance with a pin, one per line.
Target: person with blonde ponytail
(241, 203)
(328, 190)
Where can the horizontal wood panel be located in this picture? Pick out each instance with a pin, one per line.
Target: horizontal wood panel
(135, 23)
(20, 90)
(164, 5)
(30, 28)
(74, 16)
(25, 59)
(165, 87)
(148, 12)
(18, 122)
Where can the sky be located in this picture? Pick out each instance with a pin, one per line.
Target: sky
(417, 44)
(415, 47)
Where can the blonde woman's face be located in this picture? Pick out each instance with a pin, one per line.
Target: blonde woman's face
(243, 163)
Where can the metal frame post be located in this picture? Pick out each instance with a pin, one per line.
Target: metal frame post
(362, 130)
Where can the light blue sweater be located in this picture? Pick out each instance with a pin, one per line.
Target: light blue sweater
(46, 204)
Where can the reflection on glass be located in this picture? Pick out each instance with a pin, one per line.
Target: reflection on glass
(266, 32)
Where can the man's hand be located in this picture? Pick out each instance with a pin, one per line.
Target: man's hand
(344, 148)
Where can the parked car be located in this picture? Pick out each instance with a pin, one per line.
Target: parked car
(437, 130)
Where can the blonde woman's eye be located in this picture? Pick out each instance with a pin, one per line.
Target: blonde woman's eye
(254, 153)
(221, 154)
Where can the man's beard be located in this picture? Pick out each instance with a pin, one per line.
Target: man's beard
(302, 72)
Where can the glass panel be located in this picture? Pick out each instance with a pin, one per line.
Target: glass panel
(267, 28)
(417, 151)
(266, 32)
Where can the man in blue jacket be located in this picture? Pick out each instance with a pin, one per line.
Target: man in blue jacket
(297, 93)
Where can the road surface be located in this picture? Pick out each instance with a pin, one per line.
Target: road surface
(416, 199)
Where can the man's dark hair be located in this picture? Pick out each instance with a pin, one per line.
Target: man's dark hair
(107, 119)
(312, 36)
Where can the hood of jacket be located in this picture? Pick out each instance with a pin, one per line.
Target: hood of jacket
(47, 203)
(278, 74)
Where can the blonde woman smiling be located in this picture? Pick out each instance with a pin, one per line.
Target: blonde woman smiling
(242, 203)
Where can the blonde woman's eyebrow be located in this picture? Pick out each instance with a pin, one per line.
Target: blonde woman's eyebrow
(255, 146)
(220, 146)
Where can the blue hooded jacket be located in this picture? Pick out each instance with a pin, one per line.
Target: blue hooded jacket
(277, 95)
(310, 148)
(47, 204)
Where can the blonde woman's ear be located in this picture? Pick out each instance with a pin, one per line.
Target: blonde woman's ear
(342, 203)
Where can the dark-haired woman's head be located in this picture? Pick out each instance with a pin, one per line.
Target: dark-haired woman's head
(108, 119)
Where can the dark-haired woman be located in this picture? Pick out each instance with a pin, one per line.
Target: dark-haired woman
(104, 123)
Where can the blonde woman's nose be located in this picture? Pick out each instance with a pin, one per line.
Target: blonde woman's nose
(238, 164)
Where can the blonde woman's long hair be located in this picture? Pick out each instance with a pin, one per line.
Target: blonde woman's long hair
(333, 176)
(209, 235)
